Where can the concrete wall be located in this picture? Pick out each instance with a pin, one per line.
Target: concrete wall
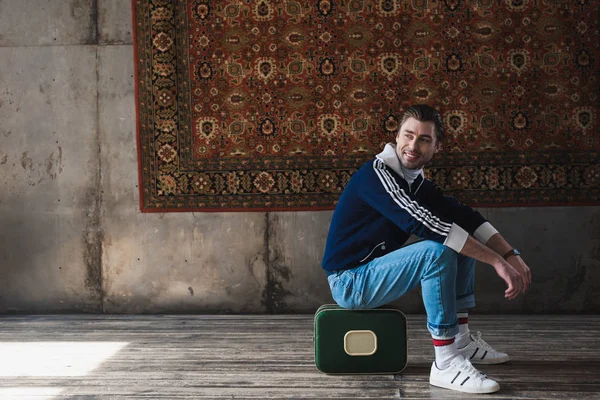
(71, 234)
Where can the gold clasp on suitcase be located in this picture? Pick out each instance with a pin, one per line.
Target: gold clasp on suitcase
(360, 341)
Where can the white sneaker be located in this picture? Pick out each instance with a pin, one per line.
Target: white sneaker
(463, 377)
(479, 352)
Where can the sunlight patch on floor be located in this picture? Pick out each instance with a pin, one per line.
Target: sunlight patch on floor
(54, 358)
(22, 393)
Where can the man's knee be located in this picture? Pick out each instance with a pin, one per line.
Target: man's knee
(350, 304)
(443, 256)
(441, 251)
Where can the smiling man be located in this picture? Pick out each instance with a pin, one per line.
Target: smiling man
(386, 201)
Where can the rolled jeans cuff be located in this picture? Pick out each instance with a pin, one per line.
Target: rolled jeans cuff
(446, 331)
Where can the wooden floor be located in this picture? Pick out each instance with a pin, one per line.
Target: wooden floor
(271, 357)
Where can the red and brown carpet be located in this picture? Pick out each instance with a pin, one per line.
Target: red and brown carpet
(273, 104)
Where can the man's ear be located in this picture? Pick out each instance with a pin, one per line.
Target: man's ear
(438, 147)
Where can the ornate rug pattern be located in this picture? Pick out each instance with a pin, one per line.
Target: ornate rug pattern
(273, 104)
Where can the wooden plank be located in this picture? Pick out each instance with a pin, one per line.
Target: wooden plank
(271, 357)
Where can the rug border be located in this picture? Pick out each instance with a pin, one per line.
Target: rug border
(276, 209)
(138, 138)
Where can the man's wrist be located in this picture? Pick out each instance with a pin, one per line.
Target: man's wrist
(511, 253)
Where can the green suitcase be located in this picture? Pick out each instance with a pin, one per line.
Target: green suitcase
(360, 341)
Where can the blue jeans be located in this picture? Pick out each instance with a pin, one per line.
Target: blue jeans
(446, 278)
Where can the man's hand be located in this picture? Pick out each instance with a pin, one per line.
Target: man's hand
(512, 278)
(519, 265)
(515, 277)
(501, 246)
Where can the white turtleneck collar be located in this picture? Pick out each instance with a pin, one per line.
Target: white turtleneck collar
(390, 158)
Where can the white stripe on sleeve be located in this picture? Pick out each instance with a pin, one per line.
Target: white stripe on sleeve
(400, 197)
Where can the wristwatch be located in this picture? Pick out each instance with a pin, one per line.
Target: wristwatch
(512, 252)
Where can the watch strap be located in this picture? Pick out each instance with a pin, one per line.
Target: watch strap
(511, 252)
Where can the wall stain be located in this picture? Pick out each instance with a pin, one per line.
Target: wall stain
(191, 290)
(93, 234)
(250, 267)
(595, 253)
(566, 290)
(39, 172)
(278, 274)
(9, 95)
(93, 36)
(4, 160)
(275, 285)
(26, 161)
(93, 238)
(54, 159)
(575, 280)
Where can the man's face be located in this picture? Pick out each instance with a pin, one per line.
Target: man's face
(416, 143)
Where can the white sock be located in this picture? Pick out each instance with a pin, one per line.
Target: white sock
(445, 351)
(464, 334)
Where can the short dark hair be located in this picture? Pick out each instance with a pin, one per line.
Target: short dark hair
(425, 113)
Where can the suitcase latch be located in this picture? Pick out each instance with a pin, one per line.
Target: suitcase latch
(360, 343)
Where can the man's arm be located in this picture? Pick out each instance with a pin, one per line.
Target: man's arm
(474, 223)
(506, 271)
(501, 246)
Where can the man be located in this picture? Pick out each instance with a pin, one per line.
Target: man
(386, 201)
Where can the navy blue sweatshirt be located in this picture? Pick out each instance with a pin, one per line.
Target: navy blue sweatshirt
(379, 210)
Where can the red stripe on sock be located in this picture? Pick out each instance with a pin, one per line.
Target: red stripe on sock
(462, 321)
(442, 342)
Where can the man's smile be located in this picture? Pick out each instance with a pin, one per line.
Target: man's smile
(411, 156)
